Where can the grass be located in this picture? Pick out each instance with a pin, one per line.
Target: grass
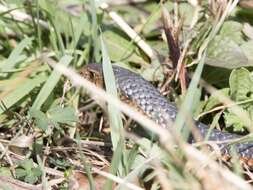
(46, 141)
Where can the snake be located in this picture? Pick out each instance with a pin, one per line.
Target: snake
(152, 103)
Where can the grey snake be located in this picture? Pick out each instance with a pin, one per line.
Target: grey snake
(150, 101)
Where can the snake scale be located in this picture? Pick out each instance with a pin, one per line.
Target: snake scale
(149, 100)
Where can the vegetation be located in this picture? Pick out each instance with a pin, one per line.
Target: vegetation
(53, 136)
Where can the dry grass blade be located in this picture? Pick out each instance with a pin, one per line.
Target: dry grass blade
(171, 40)
(117, 179)
(130, 32)
(20, 16)
(230, 177)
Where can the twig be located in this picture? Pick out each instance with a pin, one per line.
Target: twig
(116, 179)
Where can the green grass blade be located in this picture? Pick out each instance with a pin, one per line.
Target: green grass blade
(22, 91)
(50, 84)
(94, 28)
(114, 115)
(187, 106)
(15, 55)
(86, 164)
(116, 160)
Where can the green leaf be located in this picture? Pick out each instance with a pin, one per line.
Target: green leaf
(232, 30)
(248, 30)
(31, 178)
(187, 11)
(121, 49)
(28, 172)
(247, 48)
(36, 171)
(53, 116)
(153, 73)
(62, 115)
(224, 52)
(232, 119)
(27, 164)
(150, 24)
(20, 172)
(241, 85)
(49, 86)
(21, 91)
(41, 119)
(217, 76)
(214, 101)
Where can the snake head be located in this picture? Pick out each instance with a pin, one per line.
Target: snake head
(93, 73)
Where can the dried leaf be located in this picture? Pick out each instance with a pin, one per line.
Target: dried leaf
(23, 141)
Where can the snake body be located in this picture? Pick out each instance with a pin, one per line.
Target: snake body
(159, 109)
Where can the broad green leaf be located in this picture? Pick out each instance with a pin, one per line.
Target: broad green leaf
(31, 178)
(216, 76)
(36, 171)
(241, 89)
(49, 86)
(21, 91)
(20, 172)
(214, 101)
(28, 172)
(248, 30)
(232, 30)
(241, 85)
(41, 119)
(62, 115)
(150, 24)
(187, 11)
(121, 49)
(27, 164)
(224, 52)
(247, 48)
(153, 73)
(232, 119)
(54, 116)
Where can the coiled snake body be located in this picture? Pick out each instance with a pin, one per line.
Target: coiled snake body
(158, 108)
